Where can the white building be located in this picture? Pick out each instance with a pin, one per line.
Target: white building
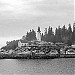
(22, 43)
(38, 34)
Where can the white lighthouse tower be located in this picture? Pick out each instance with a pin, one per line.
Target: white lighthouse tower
(38, 34)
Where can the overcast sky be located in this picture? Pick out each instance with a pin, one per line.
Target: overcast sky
(19, 16)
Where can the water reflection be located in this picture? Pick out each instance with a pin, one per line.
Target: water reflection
(64, 66)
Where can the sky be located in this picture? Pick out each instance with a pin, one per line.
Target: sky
(19, 16)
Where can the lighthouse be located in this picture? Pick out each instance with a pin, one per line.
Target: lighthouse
(38, 34)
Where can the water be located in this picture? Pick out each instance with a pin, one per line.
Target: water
(63, 66)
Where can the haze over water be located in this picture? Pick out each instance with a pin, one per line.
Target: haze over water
(63, 66)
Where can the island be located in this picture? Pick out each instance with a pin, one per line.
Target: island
(50, 45)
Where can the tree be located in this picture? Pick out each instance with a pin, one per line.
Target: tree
(73, 34)
(69, 35)
(12, 45)
(50, 35)
(58, 36)
(31, 35)
(64, 34)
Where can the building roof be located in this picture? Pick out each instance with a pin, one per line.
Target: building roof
(24, 41)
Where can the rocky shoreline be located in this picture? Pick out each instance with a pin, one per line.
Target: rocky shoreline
(26, 56)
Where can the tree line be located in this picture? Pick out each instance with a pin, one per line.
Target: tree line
(62, 34)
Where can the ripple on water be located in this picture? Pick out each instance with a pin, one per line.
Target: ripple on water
(63, 66)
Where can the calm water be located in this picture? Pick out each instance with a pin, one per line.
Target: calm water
(63, 66)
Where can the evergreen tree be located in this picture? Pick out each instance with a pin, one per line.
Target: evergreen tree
(69, 35)
(31, 35)
(69, 31)
(58, 35)
(73, 34)
(64, 34)
(50, 35)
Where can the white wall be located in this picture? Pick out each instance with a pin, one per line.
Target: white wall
(38, 36)
(22, 44)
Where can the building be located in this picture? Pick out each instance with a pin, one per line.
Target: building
(38, 34)
(22, 43)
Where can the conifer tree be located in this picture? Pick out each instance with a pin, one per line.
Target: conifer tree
(31, 35)
(58, 34)
(50, 35)
(69, 35)
(73, 34)
(64, 34)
